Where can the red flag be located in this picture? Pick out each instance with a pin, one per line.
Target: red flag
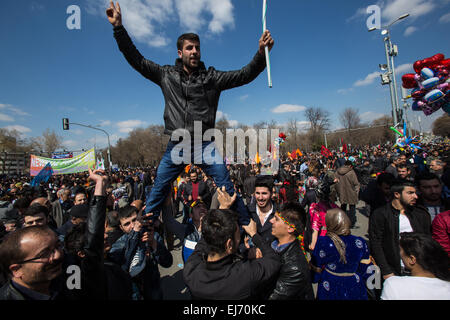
(325, 152)
(344, 148)
(293, 154)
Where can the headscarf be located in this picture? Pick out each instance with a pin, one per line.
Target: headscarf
(311, 182)
(338, 224)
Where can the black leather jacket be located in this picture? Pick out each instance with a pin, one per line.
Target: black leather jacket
(188, 98)
(294, 280)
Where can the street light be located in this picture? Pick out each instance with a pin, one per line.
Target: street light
(389, 77)
(66, 122)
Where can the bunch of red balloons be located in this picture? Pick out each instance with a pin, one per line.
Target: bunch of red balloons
(430, 84)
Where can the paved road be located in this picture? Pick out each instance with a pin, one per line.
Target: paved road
(172, 278)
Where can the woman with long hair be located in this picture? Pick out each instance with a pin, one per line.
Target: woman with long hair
(340, 261)
(430, 270)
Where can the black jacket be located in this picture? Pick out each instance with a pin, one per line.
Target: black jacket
(203, 192)
(265, 231)
(231, 278)
(384, 235)
(294, 281)
(188, 98)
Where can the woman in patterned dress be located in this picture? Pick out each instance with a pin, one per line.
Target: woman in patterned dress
(340, 261)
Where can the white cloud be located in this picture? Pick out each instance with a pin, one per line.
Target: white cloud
(5, 117)
(369, 79)
(105, 123)
(303, 125)
(410, 30)
(445, 18)
(283, 108)
(416, 8)
(15, 110)
(18, 128)
(404, 68)
(145, 19)
(244, 97)
(70, 143)
(369, 116)
(392, 9)
(345, 91)
(193, 14)
(220, 115)
(129, 125)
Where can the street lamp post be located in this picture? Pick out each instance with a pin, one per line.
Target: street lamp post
(66, 127)
(389, 78)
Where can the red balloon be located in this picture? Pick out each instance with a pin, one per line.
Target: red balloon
(438, 57)
(446, 63)
(418, 66)
(408, 81)
(428, 63)
(418, 94)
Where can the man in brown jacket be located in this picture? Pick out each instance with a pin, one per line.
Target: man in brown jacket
(347, 187)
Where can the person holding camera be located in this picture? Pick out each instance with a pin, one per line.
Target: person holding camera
(138, 252)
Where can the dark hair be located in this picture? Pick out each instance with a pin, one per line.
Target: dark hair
(295, 214)
(426, 176)
(387, 178)
(126, 212)
(323, 191)
(74, 239)
(402, 166)
(428, 252)
(400, 185)
(217, 227)
(35, 209)
(22, 203)
(10, 248)
(264, 181)
(112, 218)
(187, 36)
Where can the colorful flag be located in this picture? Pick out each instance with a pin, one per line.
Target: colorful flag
(42, 176)
(344, 148)
(325, 152)
(257, 158)
(76, 164)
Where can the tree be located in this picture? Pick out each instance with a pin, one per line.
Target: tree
(320, 122)
(11, 141)
(49, 141)
(350, 118)
(441, 126)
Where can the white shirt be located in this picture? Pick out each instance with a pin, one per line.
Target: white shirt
(404, 226)
(415, 288)
(266, 216)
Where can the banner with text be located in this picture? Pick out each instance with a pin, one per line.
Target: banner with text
(76, 164)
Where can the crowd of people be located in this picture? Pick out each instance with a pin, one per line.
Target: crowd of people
(297, 245)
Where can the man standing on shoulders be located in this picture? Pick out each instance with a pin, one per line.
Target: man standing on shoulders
(191, 93)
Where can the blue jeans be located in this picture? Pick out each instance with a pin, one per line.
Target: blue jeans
(168, 171)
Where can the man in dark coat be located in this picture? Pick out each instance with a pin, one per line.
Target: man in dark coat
(214, 271)
(294, 281)
(387, 222)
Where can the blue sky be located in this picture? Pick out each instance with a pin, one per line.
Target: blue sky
(323, 57)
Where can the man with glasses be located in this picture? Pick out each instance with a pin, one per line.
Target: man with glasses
(32, 257)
